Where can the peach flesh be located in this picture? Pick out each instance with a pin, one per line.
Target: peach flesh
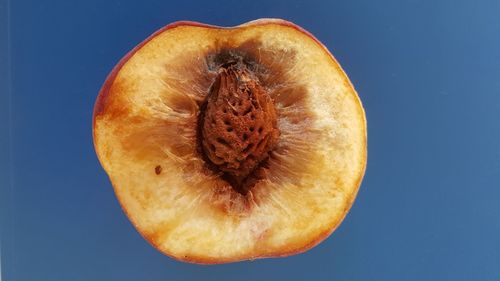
(102, 104)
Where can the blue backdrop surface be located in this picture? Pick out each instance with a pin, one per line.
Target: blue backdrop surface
(428, 73)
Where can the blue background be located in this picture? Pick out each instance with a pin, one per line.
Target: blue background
(428, 73)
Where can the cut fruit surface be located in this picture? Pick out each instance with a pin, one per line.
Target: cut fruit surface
(226, 144)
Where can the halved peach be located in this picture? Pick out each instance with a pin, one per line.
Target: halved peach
(227, 144)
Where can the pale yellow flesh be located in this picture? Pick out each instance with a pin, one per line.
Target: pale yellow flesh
(149, 120)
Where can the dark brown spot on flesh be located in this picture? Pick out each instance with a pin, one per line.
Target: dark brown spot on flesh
(158, 170)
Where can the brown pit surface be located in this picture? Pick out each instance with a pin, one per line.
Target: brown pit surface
(238, 125)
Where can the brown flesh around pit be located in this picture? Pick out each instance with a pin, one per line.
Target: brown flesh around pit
(238, 124)
(179, 133)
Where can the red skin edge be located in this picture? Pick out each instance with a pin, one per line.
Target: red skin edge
(103, 95)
